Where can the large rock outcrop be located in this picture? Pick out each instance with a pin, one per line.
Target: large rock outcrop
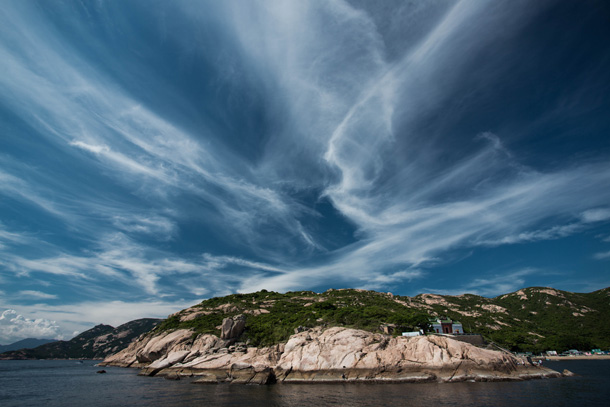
(334, 354)
(346, 354)
(232, 328)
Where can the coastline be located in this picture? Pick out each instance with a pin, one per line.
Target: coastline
(33, 383)
(75, 359)
(323, 355)
(579, 357)
(447, 374)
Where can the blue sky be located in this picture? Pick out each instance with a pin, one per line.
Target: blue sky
(157, 153)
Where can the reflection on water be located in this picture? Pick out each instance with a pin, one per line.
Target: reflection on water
(68, 383)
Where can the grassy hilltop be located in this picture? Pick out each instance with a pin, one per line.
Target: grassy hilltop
(532, 319)
(273, 317)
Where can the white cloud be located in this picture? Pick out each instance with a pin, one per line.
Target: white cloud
(96, 149)
(37, 294)
(555, 232)
(131, 143)
(220, 262)
(133, 266)
(12, 237)
(62, 321)
(160, 227)
(17, 188)
(14, 327)
(602, 255)
(65, 265)
(384, 281)
(492, 286)
(344, 127)
(596, 215)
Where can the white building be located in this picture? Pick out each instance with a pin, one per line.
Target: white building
(416, 333)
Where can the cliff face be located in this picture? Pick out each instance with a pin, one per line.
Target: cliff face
(334, 354)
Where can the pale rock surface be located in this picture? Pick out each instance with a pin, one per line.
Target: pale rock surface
(169, 360)
(161, 345)
(147, 349)
(362, 355)
(232, 328)
(333, 354)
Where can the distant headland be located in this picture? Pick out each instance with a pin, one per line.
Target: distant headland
(358, 335)
(351, 335)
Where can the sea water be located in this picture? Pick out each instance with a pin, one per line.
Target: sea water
(72, 383)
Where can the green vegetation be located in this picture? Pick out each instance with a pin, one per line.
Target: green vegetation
(204, 324)
(273, 317)
(533, 319)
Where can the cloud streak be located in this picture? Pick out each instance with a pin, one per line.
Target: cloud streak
(221, 147)
(494, 285)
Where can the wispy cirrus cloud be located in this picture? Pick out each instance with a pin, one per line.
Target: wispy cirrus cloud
(37, 295)
(231, 146)
(596, 215)
(128, 265)
(158, 226)
(137, 146)
(12, 238)
(20, 189)
(602, 255)
(493, 285)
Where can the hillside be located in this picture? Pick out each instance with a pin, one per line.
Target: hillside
(272, 317)
(95, 343)
(27, 343)
(531, 319)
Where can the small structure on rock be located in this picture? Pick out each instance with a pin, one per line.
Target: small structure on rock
(446, 326)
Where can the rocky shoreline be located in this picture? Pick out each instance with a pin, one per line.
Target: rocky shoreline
(321, 355)
(576, 357)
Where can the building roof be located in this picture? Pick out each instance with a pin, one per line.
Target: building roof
(444, 320)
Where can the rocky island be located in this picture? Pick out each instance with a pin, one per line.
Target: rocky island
(245, 339)
(323, 355)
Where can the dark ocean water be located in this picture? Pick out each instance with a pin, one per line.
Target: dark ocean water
(69, 383)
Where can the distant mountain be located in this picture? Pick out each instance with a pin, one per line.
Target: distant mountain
(96, 343)
(28, 343)
(531, 319)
